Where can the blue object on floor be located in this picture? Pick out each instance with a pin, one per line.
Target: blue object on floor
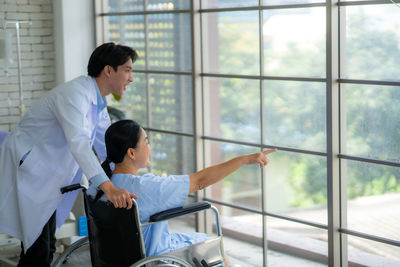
(82, 226)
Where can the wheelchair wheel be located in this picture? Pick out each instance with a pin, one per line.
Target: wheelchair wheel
(162, 261)
(78, 254)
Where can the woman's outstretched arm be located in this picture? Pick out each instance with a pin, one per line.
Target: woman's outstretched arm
(213, 174)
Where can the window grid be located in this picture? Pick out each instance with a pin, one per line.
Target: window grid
(337, 255)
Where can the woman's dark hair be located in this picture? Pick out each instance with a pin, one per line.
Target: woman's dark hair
(109, 54)
(120, 136)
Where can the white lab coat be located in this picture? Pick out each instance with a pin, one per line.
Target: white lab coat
(59, 131)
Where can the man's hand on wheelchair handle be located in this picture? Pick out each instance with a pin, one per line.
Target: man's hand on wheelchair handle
(119, 197)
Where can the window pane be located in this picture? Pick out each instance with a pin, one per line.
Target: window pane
(371, 49)
(296, 186)
(363, 252)
(243, 186)
(232, 109)
(167, 4)
(123, 5)
(170, 42)
(289, 2)
(231, 42)
(242, 233)
(137, 5)
(134, 102)
(171, 154)
(294, 42)
(171, 102)
(295, 114)
(306, 245)
(128, 30)
(372, 121)
(373, 193)
(227, 3)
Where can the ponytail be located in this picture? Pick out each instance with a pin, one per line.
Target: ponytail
(107, 170)
(106, 167)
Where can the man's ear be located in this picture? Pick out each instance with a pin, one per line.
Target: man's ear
(107, 70)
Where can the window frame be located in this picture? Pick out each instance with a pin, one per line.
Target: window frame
(336, 168)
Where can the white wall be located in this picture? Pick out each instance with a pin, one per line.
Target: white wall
(74, 37)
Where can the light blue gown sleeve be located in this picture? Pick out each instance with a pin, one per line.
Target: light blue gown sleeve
(160, 194)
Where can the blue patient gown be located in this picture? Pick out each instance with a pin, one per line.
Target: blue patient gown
(157, 194)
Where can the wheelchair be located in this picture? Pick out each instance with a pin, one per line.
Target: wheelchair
(115, 237)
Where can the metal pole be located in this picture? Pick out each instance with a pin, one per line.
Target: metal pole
(21, 92)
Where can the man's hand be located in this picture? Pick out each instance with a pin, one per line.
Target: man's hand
(119, 197)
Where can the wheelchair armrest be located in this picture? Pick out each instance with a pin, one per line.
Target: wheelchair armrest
(178, 212)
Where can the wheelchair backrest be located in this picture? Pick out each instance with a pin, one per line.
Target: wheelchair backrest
(114, 234)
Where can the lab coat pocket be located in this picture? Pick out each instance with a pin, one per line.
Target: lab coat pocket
(38, 179)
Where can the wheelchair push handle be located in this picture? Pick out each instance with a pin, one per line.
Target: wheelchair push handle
(71, 187)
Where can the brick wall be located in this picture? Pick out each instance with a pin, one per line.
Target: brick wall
(37, 55)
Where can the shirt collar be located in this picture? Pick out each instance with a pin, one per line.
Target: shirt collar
(101, 101)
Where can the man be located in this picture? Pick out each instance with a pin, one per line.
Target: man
(52, 146)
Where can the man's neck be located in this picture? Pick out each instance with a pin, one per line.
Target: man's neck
(101, 84)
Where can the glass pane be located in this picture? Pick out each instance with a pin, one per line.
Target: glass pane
(289, 2)
(231, 42)
(373, 193)
(296, 186)
(170, 42)
(128, 30)
(372, 35)
(123, 5)
(372, 121)
(171, 102)
(242, 233)
(295, 114)
(243, 186)
(184, 224)
(232, 109)
(294, 42)
(171, 154)
(305, 246)
(167, 4)
(227, 3)
(364, 252)
(134, 102)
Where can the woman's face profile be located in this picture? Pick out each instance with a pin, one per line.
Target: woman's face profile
(143, 151)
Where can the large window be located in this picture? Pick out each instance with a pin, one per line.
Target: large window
(318, 80)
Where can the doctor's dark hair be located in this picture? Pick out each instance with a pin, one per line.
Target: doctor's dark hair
(120, 136)
(109, 54)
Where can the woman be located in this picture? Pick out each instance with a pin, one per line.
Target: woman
(128, 147)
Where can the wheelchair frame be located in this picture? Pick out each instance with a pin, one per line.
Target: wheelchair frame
(209, 253)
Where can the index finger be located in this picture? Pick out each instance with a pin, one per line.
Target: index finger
(130, 204)
(133, 196)
(266, 152)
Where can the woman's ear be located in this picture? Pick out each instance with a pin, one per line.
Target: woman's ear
(131, 153)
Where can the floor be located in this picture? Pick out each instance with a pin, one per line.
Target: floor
(373, 215)
(241, 253)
